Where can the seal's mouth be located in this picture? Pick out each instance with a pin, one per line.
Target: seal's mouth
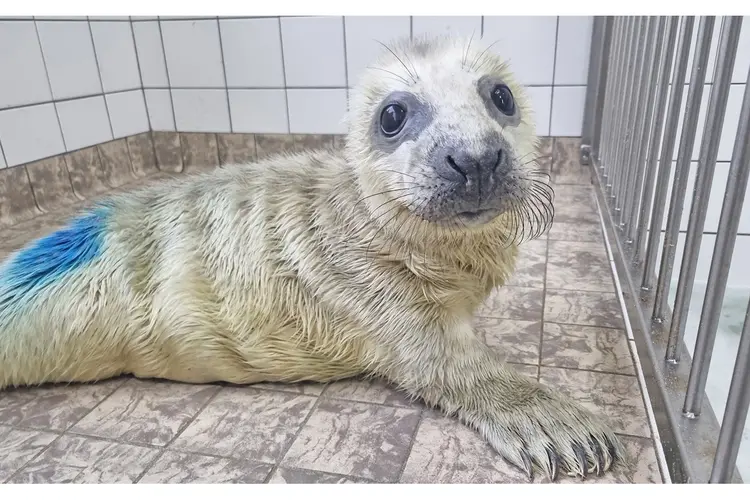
(477, 217)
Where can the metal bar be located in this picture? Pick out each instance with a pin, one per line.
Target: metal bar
(629, 118)
(684, 157)
(664, 67)
(667, 150)
(651, 82)
(738, 401)
(598, 67)
(614, 62)
(614, 84)
(717, 105)
(636, 124)
(728, 223)
(605, 64)
(620, 121)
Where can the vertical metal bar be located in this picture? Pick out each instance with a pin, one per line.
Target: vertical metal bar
(684, 157)
(656, 48)
(627, 116)
(738, 401)
(598, 65)
(622, 108)
(667, 150)
(664, 68)
(612, 90)
(717, 104)
(728, 223)
(636, 121)
(605, 70)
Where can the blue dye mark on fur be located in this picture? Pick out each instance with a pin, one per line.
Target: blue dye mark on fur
(47, 259)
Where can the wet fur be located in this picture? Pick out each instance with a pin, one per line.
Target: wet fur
(302, 267)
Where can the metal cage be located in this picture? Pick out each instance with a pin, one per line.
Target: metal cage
(630, 132)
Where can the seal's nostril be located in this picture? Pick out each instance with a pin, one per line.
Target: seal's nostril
(499, 159)
(455, 166)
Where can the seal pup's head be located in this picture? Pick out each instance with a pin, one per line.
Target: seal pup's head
(440, 130)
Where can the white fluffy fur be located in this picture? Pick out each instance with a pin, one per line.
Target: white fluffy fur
(283, 270)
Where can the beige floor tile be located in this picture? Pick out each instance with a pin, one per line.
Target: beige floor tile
(368, 391)
(583, 308)
(187, 468)
(588, 348)
(617, 398)
(355, 439)
(246, 423)
(52, 407)
(78, 459)
(145, 412)
(518, 340)
(447, 451)
(288, 475)
(579, 266)
(513, 303)
(17, 447)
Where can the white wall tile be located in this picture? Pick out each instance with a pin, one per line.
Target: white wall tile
(70, 59)
(739, 269)
(729, 129)
(193, 53)
(541, 104)
(252, 52)
(201, 110)
(30, 133)
(313, 51)
(456, 25)
(527, 43)
(742, 62)
(362, 36)
(84, 122)
(150, 54)
(712, 53)
(567, 111)
(715, 199)
(109, 18)
(2, 158)
(573, 47)
(21, 63)
(127, 113)
(258, 111)
(159, 105)
(317, 111)
(115, 53)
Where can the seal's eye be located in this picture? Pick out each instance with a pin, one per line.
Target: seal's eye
(392, 119)
(503, 99)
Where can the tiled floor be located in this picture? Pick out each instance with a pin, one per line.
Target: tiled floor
(558, 320)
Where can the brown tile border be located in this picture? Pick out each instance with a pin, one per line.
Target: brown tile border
(63, 181)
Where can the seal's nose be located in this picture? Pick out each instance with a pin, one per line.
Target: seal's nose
(460, 166)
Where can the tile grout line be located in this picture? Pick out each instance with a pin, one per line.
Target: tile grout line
(283, 73)
(49, 84)
(101, 80)
(60, 434)
(661, 457)
(224, 74)
(180, 430)
(166, 71)
(544, 286)
(554, 71)
(140, 77)
(282, 455)
(412, 441)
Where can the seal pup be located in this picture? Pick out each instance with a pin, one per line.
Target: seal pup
(322, 265)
